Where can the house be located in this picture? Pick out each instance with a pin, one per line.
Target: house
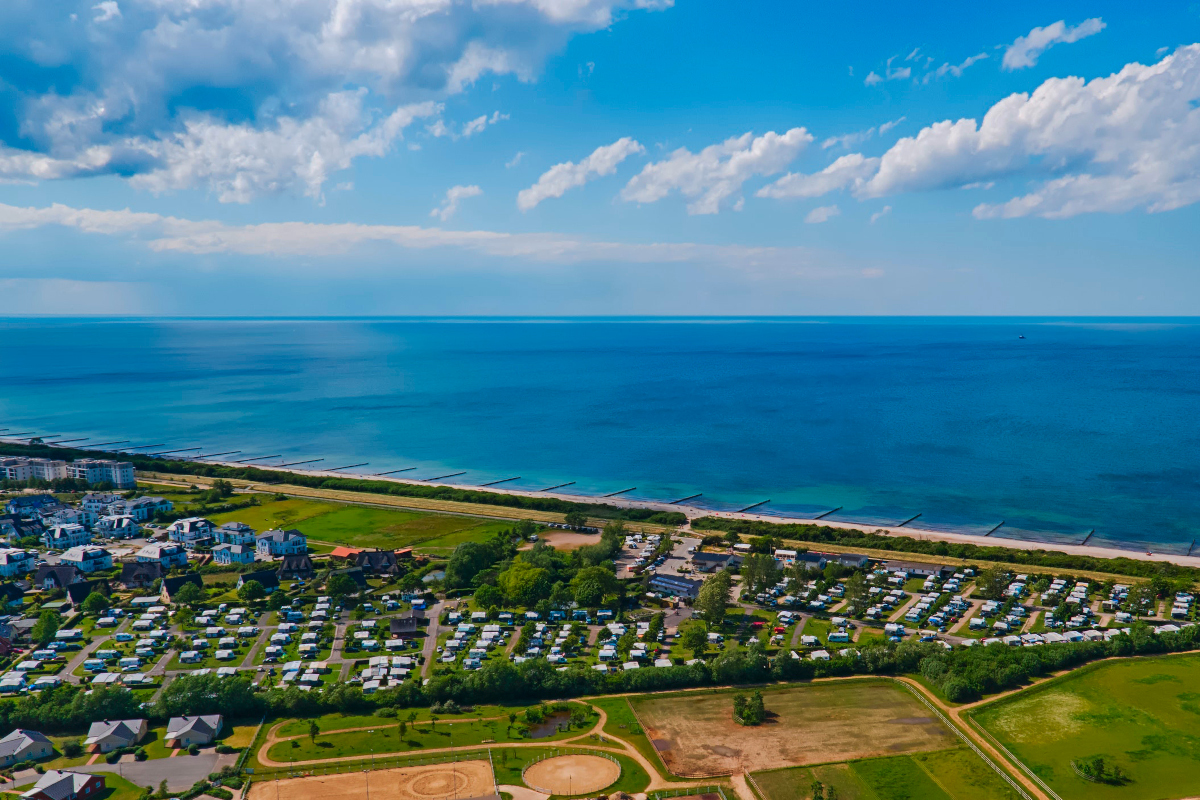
(297, 567)
(14, 562)
(64, 537)
(24, 745)
(60, 785)
(99, 502)
(378, 562)
(55, 577)
(186, 731)
(117, 526)
(281, 543)
(677, 587)
(14, 527)
(851, 560)
(353, 573)
(233, 554)
(87, 558)
(29, 504)
(405, 626)
(11, 596)
(145, 508)
(235, 533)
(710, 562)
(166, 555)
(344, 553)
(190, 532)
(813, 562)
(919, 570)
(267, 578)
(114, 734)
(171, 586)
(140, 573)
(78, 591)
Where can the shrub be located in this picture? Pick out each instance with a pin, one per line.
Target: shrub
(225, 749)
(216, 791)
(385, 712)
(113, 757)
(193, 749)
(140, 754)
(72, 748)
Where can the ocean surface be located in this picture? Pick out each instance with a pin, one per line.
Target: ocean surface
(1083, 425)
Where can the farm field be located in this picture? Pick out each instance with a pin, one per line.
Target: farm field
(1142, 715)
(955, 774)
(695, 734)
(365, 527)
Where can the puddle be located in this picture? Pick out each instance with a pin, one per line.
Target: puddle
(721, 750)
(662, 745)
(548, 726)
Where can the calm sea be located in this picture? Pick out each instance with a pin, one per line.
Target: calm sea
(1082, 425)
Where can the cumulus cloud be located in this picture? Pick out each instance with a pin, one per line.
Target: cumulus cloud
(450, 204)
(822, 214)
(558, 179)
(849, 171)
(158, 71)
(718, 171)
(1024, 52)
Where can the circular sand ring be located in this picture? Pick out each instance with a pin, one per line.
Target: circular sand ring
(572, 774)
(438, 784)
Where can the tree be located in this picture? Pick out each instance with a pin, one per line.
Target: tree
(857, 594)
(657, 622)
(72, 748)
(46, 627)
(576, 519)
(251, 591)
(818, 790)
(359, 612)
(403, 729)
(695, 638)
(223, 488)
(992, 583)
(759, 572)
(189, 595)
(487, 596)
(592, 584)
(467, 561)
(524, 584)
(340, 586)
(433, 721)
(95, 603)
(313, 730)
(276, 601)
(713, 597)
(512, 720)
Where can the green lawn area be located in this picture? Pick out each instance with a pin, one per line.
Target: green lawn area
(386, 739)
(797, 782)
(117, 788)
(898, 778)
(338, 722)
(1141, 714)
(366, 527)
(624, 725)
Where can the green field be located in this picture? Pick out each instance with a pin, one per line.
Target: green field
(1142, 715)
(358, 526)
(941, 775)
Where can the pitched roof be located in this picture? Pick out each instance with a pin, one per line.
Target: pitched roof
(78, 591)
(399, 625)
(342, 551)
(141, 572)
(267, 578)
(63, 574)
(125, 729)
(11, 592)
(208, 725)
(377, 560)
(296, 564)
(19, 739)
(60, 785)
(174, 584)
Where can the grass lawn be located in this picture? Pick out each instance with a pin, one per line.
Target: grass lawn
(898, 778)
(624, 725)
(339, 722)
(1141, 714)
(155, 747)
(366, 527)
(119, 789)
(386, 739)
(797, 782)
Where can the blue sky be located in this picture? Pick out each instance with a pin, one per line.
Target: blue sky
(342, 157)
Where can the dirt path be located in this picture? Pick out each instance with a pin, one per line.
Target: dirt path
(966, 617)
(899, 613)
(259, 643)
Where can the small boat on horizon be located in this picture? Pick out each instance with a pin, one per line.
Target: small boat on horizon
(1021, 336)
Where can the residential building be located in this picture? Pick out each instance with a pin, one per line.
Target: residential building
(100, 503)
(353, 573)
(144, 508)
(14, 527)
(297, 567)
(185, 731)
(24, 745)
(12, 597)
(61, 785)
(191, 532)
(117, 526)
(87, 558)
(14, 562)
(65, 515)
(406, 625)
(59, 576)
(918, 569)
(281, 543)
(166, 555)
(344, 553)
(710, 562)
(47, 469)
(29, 504)
(15, 469)
(233, 553)
(64, 537)
(114, 734)
(235, 533)
(78, 591)
(97, 470)
(378, 562)
(172, 585)
(679, 587)
(267, 578)
(140, 573)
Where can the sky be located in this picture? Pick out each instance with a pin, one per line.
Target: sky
(598, 157)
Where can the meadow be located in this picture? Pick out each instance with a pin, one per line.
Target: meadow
(1142, 715)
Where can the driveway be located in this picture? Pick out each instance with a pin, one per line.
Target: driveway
(179, 772)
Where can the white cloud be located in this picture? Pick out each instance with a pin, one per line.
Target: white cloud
(555, 181)
(872, 79)
(849, 171)
(953, 69)
(293, 239)
(515, 160)
(479, 123)
(822, 214)
(880, 214)
(718, 171)
(1024, 52)
(916, 52)
(256, 67)
(453, 195)
(852, 139)
(107, 10)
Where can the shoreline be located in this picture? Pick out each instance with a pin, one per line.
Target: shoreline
(695, 512)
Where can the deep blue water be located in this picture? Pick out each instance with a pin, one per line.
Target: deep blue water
(1082, 425)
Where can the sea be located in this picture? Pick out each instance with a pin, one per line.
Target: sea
(1052, 430)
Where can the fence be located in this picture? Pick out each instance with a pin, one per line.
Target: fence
(967, 740)
(367, 765)
(572, 751)
(995, 743)
(691, 790)
(758, 790)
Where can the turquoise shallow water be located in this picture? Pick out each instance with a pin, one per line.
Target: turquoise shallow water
(1082, 425)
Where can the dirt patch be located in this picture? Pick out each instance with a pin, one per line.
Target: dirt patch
(818, 723)
(565, 540)
(567, 775)
(462, 780)
(662, 745)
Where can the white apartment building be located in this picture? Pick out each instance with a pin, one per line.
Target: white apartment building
(15, 562)
(118, 526)
(96, 470)
(168, 555)
(191, 531)
(64, 537)
(87, 558)
(15, 469)
(100, 502)
(144, 508)
(235, 533)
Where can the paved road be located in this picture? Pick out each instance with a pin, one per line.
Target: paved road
(430, 645)
(179, 772)
(68, 672)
